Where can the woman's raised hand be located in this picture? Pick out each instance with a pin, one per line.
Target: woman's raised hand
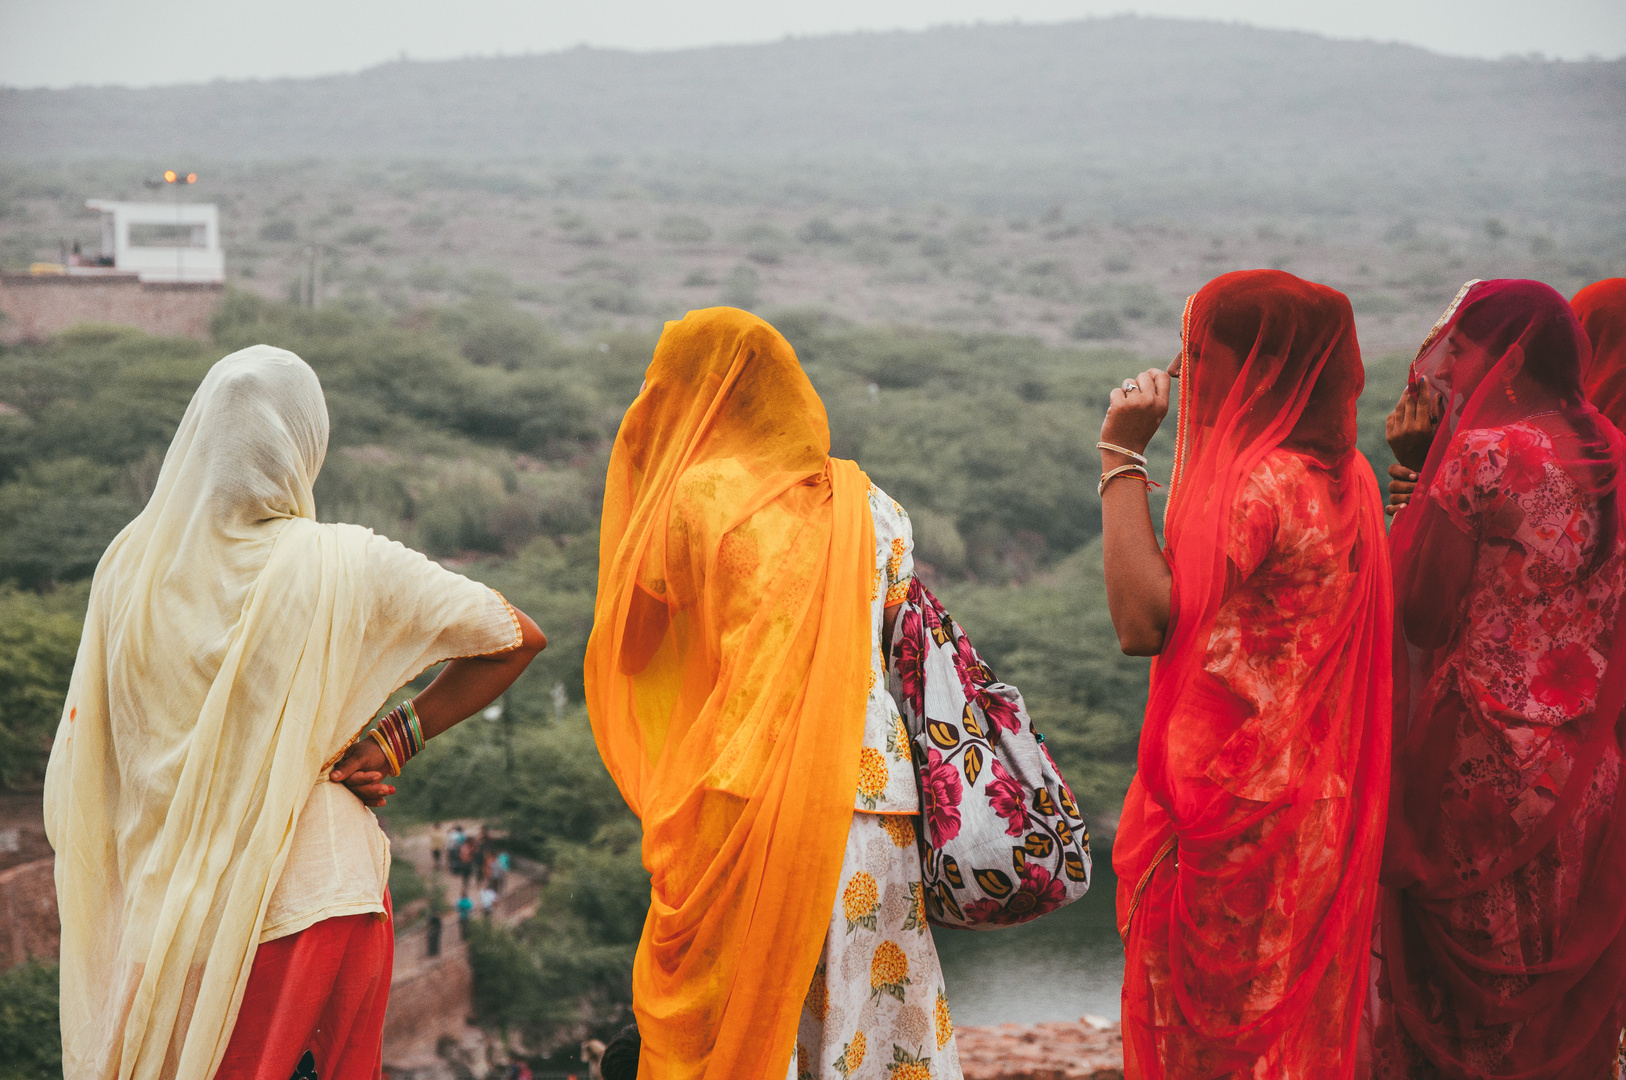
(1410, 428)
(1136, 410)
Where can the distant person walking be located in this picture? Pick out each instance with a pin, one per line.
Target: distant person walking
(454, 852)
(233, 650)
(465, 908)
(432, 934)
(437, 844)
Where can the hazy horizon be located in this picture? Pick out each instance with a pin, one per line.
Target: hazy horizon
(82, 43)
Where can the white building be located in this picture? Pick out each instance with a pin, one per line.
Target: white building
(159, 242)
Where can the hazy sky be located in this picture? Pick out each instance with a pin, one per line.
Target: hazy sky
(147, 42)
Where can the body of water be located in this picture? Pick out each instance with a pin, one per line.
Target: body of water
(1058, 967)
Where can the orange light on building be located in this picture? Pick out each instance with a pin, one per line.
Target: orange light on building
(191, 178)
(169, 176)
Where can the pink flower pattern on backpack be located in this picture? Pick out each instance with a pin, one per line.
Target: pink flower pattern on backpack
(1004, 841)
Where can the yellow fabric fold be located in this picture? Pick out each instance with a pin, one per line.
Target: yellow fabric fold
(233, 647)
(726, 679)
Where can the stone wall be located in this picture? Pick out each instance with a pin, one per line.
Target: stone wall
(430, 1000)
(39, 306)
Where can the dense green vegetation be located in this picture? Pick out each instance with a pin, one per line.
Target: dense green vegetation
(30, 1048)
(478, 435)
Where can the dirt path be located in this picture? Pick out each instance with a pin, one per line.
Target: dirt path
(1090, 1049)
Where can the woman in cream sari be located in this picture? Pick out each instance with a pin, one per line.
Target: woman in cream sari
(221, 885)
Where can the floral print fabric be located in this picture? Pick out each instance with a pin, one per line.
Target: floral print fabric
(1288, 576)
(886, 780)
(1535, 644)
(877, 1008)
(1006, 840)
(1286, 583)
(1523, 670)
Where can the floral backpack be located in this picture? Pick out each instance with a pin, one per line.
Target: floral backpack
(1002, 839)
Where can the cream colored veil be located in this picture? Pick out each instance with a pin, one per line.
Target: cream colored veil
(232, 649)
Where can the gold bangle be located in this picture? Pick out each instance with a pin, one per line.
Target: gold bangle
(389, 755)
(1138, 459)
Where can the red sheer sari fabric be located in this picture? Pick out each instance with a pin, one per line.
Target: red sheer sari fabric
(1248, 850)
(1501, 953)
(1601, 307)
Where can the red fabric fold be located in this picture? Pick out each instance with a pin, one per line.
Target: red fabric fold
(1601, 307)
(1264, 754)
(1501, 953)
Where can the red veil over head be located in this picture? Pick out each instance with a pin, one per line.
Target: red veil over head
(1505, 352)
(1270, 362)
(1601, 307)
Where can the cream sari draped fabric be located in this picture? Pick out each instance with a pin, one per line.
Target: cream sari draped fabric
(232, 649)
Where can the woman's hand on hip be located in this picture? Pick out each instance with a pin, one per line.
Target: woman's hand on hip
(365, 772)
(1136, 410)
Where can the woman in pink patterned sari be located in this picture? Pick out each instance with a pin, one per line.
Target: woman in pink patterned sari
(1500, 952)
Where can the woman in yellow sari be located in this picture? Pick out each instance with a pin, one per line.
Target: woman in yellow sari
(736, 686)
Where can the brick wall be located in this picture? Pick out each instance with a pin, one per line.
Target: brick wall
(38, 306)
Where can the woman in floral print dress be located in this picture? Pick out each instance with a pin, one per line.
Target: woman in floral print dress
(1501, 952)
(877, 1007)
(737, 694)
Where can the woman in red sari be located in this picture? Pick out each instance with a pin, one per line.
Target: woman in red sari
(1500, 944)
(1247, 854)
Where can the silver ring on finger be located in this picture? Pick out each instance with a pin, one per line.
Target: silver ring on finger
(1130, 386)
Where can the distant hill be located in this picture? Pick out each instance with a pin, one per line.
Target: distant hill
(1154, 86)
(1126, 96)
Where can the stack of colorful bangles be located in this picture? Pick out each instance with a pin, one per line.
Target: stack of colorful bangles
(399, 735)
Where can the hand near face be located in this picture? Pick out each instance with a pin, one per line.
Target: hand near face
(1133, 416)
(1410, 428)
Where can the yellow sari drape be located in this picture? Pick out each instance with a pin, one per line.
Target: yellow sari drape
(726, 679)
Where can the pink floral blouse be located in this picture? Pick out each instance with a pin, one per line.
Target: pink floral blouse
(1529, 658)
